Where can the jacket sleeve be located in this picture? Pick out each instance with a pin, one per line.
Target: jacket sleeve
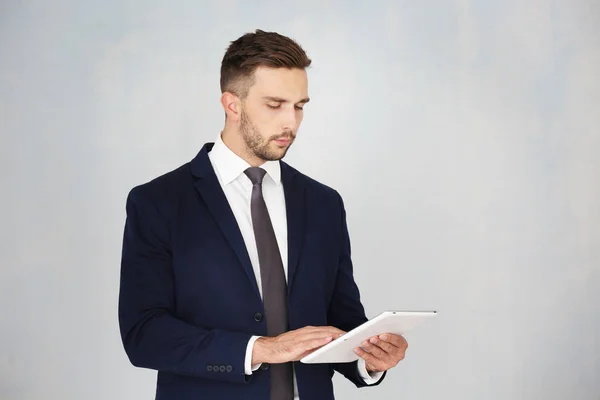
(346, 311)
(152, 335)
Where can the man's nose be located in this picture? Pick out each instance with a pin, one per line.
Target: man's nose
(290, 122)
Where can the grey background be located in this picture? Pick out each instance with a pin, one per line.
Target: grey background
(463, 135)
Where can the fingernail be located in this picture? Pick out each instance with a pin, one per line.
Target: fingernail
(384, 337)
(374, 340)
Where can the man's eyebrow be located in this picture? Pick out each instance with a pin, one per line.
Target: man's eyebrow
(281, 100)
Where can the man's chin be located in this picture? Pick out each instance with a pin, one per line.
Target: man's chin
(274, 155)
(278, 151)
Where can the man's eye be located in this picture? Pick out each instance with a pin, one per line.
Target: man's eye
(272, 106)
(299, 108)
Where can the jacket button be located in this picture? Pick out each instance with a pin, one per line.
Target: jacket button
(258, 317)
(264, 367)
(229, 368)
(222, 368)
(209, 368)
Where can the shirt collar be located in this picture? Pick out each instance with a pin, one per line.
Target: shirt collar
(230, 166)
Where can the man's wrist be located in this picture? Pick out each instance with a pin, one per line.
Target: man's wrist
(261, 351)
(370, 369)
(249, 367)
(370, 377)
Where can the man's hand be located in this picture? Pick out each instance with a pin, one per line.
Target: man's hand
(293, 345)
(382, 352)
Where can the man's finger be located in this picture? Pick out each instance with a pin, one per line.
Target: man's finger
(370, 359)
(396, 340)
(385, 346)
(323, 329)
(375, 350)
(314, 335)
(312, 344)
(305, 348)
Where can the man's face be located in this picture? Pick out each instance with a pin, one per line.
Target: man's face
(272, 111)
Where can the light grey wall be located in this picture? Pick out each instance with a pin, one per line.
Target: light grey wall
(463, 135)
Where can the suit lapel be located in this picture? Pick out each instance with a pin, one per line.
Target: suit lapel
(211, 192)
(295, 202)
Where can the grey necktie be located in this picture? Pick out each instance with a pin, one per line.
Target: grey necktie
(273, 283)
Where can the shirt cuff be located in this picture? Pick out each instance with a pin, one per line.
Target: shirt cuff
(370, 378)
(248, 369)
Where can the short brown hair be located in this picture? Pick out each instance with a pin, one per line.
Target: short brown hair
(244, 55)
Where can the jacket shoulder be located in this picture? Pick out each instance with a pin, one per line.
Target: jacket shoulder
(163, 187)
(316, 187)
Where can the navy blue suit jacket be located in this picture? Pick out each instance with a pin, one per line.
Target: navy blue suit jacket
(189, 301)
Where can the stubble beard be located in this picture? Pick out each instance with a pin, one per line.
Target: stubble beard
(258, 146)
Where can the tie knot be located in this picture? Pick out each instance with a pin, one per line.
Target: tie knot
(256, 175)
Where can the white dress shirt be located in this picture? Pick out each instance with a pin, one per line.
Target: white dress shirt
(229, 168)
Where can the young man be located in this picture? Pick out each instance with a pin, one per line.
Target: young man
(236, 265)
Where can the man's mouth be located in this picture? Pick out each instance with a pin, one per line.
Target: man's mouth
(283, 141)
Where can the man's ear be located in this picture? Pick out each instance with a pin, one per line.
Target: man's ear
(232, 106)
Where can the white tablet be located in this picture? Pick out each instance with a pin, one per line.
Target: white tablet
(342, 348)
